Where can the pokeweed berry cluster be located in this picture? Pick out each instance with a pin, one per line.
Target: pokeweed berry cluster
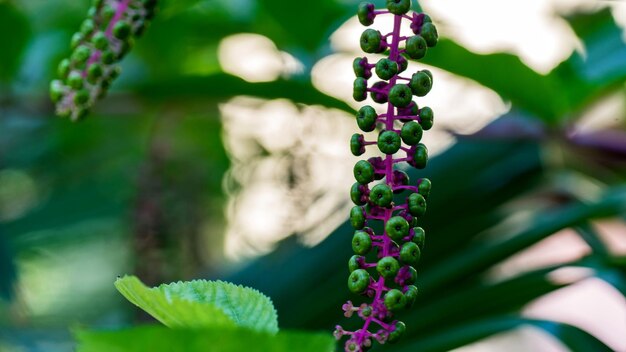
(383, 266)
(105, 37)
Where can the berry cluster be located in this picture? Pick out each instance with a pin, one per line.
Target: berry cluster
(103, 40)
(383, 266)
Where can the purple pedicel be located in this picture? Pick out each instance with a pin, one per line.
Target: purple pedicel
(378, 322)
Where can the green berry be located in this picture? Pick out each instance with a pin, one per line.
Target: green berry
(363, 172)
(361, 242)
(121, 30)
(356, 144)
(411, 133)
(372, 41)
(381, 195)
(81, 97)
(107, 12)
(389, 142)
(76, 40)
(411, 295)
(398, 7)
(385, 68)
(358, 281)
(64, 68)
(410, 253)
(381, 96)
(87, 27)
(395, 300)
(357, 217)
(388, 267)
(416, 204)
(423, 187)
(400, 95)
(420, 83)
(430, 74)
(108, 57)
(75, 80)
(416, 47)
(100, 41)
(419, 236)
(353, 263)
(358, 65)
(412, 275)
(365, 13)
(359, 92)
(81, 54)
(56, 91)
(94, 71)
(397, 333)
(426, 116)
(356, 194)
(396, 228)
(429, 33)
(366, 118)
(419, 156)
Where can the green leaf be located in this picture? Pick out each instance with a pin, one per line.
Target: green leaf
(200, 303)
(157, 339)
(14, 35)
(576, 339)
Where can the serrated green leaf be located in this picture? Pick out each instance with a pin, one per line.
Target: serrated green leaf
(157, 339)
(200, 304)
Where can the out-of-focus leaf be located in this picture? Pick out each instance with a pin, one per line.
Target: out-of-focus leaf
(160, 339)
(14, 35)
(200, 303)
(8, 273)
(574, 338)
(222, 86)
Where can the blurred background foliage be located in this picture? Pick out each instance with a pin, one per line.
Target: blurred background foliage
(222, 153)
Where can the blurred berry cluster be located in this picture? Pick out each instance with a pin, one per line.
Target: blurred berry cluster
(105, 37)
(383, 266)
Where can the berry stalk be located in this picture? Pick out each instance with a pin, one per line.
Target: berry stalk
(383, 266)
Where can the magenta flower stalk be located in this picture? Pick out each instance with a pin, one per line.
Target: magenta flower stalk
(105, 37)
(383, 268)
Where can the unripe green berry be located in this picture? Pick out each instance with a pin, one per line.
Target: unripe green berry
(385, 68)
(56, 91)
(64, 68)
(359, 92)
(411, 133)
(100, 41)
(125, 48)
(430, 74)
(423, 187)
(396, 228)
(356, 194)
(94, 71)
(81, 97)
(76, 40)
(366, 118)
(398, 7)
(395, 300)
(121, 30)
(429, 32)
(356, 144)
(412, 276)
(397, 333)
(410, 293)
(389, 142)
(81, 54)
(108, 57)
(365, 13)
(87, 27)
(410, 253)
(75, 80)
(361, 242)
(388, 267)
(358, 65)
(420, 156)
(107, 12)
(416, 47)
(357, 217)
(353, 263)
(400, 95)
(363, 172)
(426, 118)
(358, 281)
(420, 83)
(381, 195)
(419, 236)
(372, 41)
(381, 96)
(416, 204)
